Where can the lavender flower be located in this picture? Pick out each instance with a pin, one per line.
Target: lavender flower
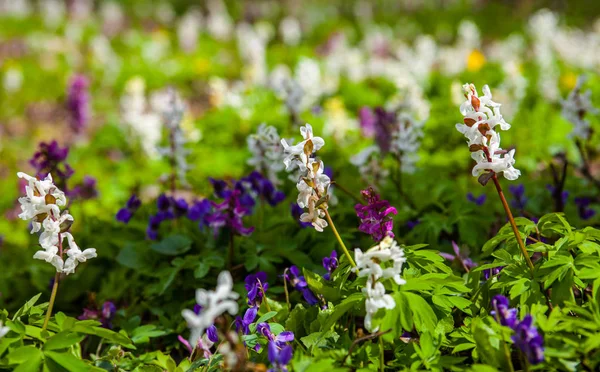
(124, 214)
(279, 357)
(479, 200)
(564, 195)
(459, 257)
(85, 190)
(505, 315)
(330, 263)
(381, 123)
(261, 187)
(50, 159)
(293, 276)
(296, 212)
(78, 103)
(367, 120)
(229, 214)
(376, 219)
(528, 339)
(583, 207)
(255, 285)
(412, 224)
(280, 340)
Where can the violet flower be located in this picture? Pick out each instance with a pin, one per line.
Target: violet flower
(296, 212)
(229, 214)
(459, 257)
(367, 121)
(479, 200)
(564, 195)
(376, 219)
(262, 187)
(279, 357)
(505, 315)
(199, 211)
(488, 273)
(583, 207)
(412, 224)
(528, 339)
(169, 208)
(381, 123)
(85, 190)
(104, 315)
(253, 284)
(293, 276)
(242, 324)
(518, 192)
(78, 103)
(330, 264)
(280, 340)
(50, 159)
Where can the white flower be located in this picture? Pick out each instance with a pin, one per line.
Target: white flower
(52, 227)
(370, 166)
(75, 255)
(406, 140)
(43, 197)
(376, 299)
(214, 303)
(575, 107)
(3, 330)
(267, 152)
(50, 255)
(295, 154)
(314, 216)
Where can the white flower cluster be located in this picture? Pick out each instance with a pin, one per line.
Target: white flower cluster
(369, 264)
(3, 330)
(406, 141)
(267, 152)
(575, 107)
(313, 184)
(214, 304)
(481, 116)
(42, 205)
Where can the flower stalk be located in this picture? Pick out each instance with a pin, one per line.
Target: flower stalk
(339, 239)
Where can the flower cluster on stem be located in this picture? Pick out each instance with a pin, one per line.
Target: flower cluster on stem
(370, 264)
(376, 216)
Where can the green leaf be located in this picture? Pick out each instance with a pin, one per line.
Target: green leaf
(173, 245)
(63, 340)
(23, 354)
(24, 310)
(320, 286)
(423, 315)
(67, 361)
(341, 309)
(266, 317)
(104, 333)
(143, 334)
(201, 271)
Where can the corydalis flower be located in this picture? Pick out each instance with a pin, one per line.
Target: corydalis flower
(528, 339)
(242, 324)
(169, 208)
(459, 257)
(267, 152)
(583, 207)
(50, 159)
(104, 315)
(575, 107)
(229, 214)
(280, 340)
(504, 314)
(369, 264)
(477, 200)
(260, 187)
(133, 204)
(256, 285)
(78, 103)
(85, 190)
(376, 216)
(481, 117)
(214, 304)
(330, 263)
(292, 275)
(279, 357)
(520, 200)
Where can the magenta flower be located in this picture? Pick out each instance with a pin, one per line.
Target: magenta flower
(376, 216)
(78, 103)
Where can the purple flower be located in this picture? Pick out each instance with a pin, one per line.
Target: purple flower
(330, 263)
(279, 357)
(505, 315)
(199, 211)
(261, 187)
(459, 257)
(219, 187)
(50, 159)
(169, 208)
(376, 219)
(212, 333)
(412, 224)
(297, 211)
(133, 204)
(293, 276)
(367, 121)
(583, 207)
(85, 190)
(564, 195)
(243, 324)
(280, 340)
(229, 214)
(488, 273)
(78, 103)
(479, 200)
(528, 339)
(104, 315)
(381, 123)
(253, 284)
(518, 192)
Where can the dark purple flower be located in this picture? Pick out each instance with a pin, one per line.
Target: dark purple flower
(85, 190)
(280, 340)
(519, 200)
(459, 257)
(488, 273)
(229, 214)
(50, 159)
(583, 207)
(293, 276)
(243, 324)
(253, 284)
(279, 357)
(212, 333)
(528, 339)
(219, 187)
(169, 208)
(297, 211)
(133, 204)
(564, 195)
(78, 103)
(330, 264)
(479, 200)
(260, 187)
(501, 311)
(104, 315)
(412, 224)
(199, 211)
(376, 216)
(380, 123)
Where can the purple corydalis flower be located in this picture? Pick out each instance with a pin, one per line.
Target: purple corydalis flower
(564, 195)
(330, 264)
(583, 208)
(133, 204)
(255, 285)
(262, 187)
(169, 208)
(279, 357)
(78, 103)
(243, 324)
(199, 211)
(297, 211)
(380, 123)
(488, 273)
(229, 214)
(104, 315)
(367, 121)
(85, 190)
(501, 311)
(50, 159)
(280, 339)
(479, 200)
(376, 216)
(518, 192)
(293, 276)
(528, 339)
(460, 257)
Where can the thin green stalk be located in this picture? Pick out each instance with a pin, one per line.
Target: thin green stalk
(339, 239)
(51, 303)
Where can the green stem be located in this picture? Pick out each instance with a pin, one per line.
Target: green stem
(511, 219)
(51, 303)
(381, 355)
(339, 239)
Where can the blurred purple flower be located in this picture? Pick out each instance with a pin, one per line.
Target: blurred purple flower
(330, 264)
(479, 200)
(229, 214)
(519, 200)
(297, 211)
(253, 284)
(376, 219)
(85, 190)
(528, 339)
(459, 257)
(583, 207)
(279, 357)
(50, 159)
(104, 315)
(78, 103)
(502, 312)
(292, 275)
(243, 324)
(169, 208)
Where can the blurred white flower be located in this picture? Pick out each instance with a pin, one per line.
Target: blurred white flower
(3, 330)
(290, 30)
(576, 106)
(188, 30)
(12, 80)
(267, 152)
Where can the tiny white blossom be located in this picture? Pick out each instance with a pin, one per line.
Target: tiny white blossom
(50, 255)
(3, 330)
(575, 107)
(214, 303)
(75, 255)
(314, 216)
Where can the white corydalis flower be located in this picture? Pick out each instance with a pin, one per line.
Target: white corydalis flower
(406, 141)
(42, 207)
(3, 330)
(267, 152)
(214, 304)
(481, 117)
(312, 183)
(369, 264)
(575, 107)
